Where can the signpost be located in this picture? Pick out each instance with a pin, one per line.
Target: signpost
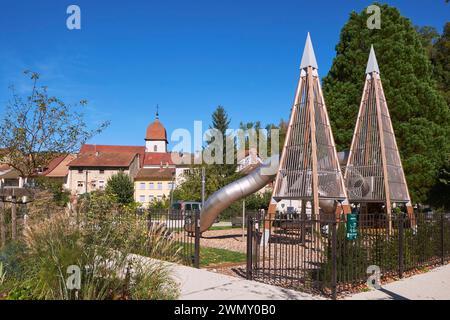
(352, 226)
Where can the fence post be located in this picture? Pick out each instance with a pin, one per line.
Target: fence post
(14, 218)
(442, 239)
(197, 240)
(2, 224)
(334, 259)
(400, 245)
(249, 248)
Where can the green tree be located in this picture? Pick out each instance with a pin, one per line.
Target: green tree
(121, 187)
(419, 113)
(441, 62)
(438, 49)
(220, 120)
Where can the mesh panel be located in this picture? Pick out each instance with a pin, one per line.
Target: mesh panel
(365, 178)
(295, 179)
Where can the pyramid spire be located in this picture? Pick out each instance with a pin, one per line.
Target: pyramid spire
(309, 58)
(374, 171)
(372, 64)
(309, 167)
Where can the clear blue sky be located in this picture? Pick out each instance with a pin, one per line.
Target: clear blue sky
(186, 56)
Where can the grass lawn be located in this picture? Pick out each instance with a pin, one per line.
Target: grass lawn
(223, 228)
(214, 256)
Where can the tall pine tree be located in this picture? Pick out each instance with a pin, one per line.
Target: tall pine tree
(419, 113)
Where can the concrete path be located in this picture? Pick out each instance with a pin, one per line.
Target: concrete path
(433, 285)
(200, 284)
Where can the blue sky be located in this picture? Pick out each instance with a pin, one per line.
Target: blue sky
(186, 56)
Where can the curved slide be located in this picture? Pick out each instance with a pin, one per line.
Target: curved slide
(223, 198)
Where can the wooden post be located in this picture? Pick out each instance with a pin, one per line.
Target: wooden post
(2, 224)
(315, 177)
(14, 218)
(375, 79)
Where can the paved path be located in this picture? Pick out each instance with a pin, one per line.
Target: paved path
(433, 285)
(200, 284)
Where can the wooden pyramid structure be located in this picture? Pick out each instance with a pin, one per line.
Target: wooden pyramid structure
(374, 171)
(309, 166)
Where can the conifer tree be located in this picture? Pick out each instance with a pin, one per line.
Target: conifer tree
(419, 113)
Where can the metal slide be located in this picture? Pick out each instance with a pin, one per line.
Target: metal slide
(223, 198)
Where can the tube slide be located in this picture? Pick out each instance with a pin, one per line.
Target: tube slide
(223, 198)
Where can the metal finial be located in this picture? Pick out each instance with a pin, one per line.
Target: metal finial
(157, 111)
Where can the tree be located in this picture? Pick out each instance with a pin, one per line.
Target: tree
(419, 113)
(36, 128)
(428, 36)
(439, 54)
(121, 186)
(441, 62)
(220, 120)
(438, 51)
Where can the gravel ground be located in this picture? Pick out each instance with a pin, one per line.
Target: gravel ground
(229, 239)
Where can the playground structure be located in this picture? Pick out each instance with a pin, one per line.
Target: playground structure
(374, 172)
(309, 169)
(223, 198)
(328, 250)
(309, 166)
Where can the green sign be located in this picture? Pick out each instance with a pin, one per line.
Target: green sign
(352, 226)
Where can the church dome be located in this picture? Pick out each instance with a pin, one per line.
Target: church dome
(156, 131)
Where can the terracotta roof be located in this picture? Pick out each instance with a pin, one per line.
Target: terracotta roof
(58, 167)
(104, 159)
(92, 148)
(155, 174)
(156, 131)
(158, 158)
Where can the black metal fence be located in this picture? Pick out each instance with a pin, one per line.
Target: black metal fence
(183, 229)
(331, 255)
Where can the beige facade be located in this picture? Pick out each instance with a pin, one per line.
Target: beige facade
(147, 192)
(84, 179)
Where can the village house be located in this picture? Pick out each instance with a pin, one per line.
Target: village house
(90, 171)
(154, 170)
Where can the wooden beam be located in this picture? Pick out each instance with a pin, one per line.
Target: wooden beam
(375, 79)
(312, 120)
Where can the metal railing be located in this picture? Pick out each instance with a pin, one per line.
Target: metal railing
(175, 222)
(331, 255)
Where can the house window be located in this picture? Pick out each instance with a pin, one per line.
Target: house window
(151, 198)
(101, 184)
(80, 170)
(142, 199)
(142, 186)
(170, 185)
(93, 184)
(155, 148)
(101, 171)
(151, 186)
(159, 185)
(80, 184)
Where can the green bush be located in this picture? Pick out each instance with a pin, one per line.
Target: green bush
(121, 187)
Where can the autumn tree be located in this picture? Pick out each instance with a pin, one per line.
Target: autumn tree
(37, 127)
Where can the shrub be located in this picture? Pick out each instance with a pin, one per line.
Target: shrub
(100, 242)
(121, 187)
